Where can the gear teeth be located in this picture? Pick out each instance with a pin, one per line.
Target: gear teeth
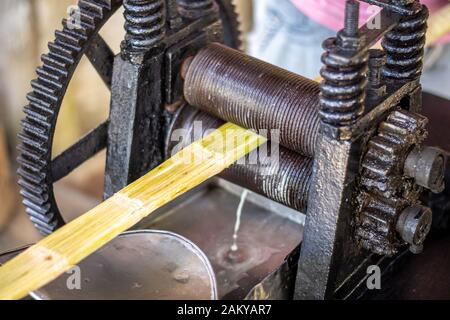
(38, 210)
(35, 177)
(36, 120)
(38, 117)
(96, 9)
(53, 61)
(43, 227)
(81, 33)
(49, 77)
(44, 91)
(69, 39)
(29, 177)
(32, 193)
(379, 245)
(33, 135)
(383, 181)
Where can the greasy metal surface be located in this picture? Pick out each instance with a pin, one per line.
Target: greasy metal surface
(385, 191)
(136, 118)
(237, 88)
(137, 265)
(404, 46)
(330, 255)
(376, 87)
(328, 240)
(280, 174)
(136, 121)
(207, 218)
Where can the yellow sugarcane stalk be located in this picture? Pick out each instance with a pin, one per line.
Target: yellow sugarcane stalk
(57, 253)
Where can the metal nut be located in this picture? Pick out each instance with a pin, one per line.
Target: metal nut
(414, 224)
(427, 167)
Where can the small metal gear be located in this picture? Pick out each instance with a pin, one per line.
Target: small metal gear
(38, 171)
(386, 190)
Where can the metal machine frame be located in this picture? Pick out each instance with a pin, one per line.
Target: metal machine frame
(351, 151)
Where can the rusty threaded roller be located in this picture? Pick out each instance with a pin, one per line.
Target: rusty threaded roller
(286, 183)
(254, 94)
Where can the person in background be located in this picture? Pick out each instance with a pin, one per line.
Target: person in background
(289, 33)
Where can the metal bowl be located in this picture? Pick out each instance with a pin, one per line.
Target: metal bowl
(138, 265)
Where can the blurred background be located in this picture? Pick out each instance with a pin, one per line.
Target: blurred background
(283, 32)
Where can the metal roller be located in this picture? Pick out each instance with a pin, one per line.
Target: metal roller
(286, 181)
(237, 88)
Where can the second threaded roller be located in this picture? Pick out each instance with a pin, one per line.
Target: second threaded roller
(273, 171)
(254, 94)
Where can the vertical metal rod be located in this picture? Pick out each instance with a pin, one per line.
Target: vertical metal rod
(351, 18)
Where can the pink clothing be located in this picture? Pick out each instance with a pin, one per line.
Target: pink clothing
(330, 13)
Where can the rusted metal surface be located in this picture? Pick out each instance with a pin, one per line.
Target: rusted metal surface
(254, 94)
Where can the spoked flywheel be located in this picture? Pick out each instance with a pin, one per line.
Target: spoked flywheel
(38, 171)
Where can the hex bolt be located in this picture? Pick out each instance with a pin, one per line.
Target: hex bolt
(427, 166)
(351, 18)
(413, 225)
(377, 59)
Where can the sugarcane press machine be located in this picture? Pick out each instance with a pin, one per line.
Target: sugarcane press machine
(352, 157)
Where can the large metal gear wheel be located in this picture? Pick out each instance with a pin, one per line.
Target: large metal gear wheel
(38, 171)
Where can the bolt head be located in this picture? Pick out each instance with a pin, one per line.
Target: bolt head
(427, 167)
(414, 224)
